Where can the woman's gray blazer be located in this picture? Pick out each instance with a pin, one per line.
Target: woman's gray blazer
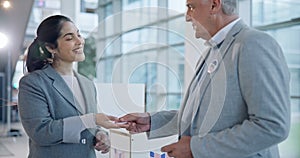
(44, 101)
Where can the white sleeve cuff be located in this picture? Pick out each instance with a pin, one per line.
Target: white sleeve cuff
(88, 120)
(72, 129)
(73, 126)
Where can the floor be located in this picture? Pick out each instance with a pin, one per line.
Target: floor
(16, 145)
(19, 145)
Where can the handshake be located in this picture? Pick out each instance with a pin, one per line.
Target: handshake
(141, 122)
(133, 122)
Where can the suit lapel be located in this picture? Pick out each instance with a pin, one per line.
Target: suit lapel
(86, 92)
(183, 104)
(62, 88)
(186, 96)
(230, 38)
(202, 60)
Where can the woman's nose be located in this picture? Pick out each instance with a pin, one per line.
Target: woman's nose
(80, 40)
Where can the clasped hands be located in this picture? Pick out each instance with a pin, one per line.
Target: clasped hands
(141, 122)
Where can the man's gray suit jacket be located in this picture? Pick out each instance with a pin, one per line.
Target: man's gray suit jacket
(244, 108)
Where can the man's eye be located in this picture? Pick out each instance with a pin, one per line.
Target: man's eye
(190, 7)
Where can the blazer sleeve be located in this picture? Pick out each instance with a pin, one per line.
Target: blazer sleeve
(264, 85)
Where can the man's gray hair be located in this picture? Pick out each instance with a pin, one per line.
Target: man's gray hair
(230, 7)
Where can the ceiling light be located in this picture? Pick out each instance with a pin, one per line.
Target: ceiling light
(6, 4)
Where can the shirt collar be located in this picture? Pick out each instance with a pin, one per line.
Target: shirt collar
(220, 35)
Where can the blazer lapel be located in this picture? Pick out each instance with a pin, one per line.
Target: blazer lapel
(230, 37)
(186, 96)
(201, 60)
(183, 104)
(86, 92)
(62, 88)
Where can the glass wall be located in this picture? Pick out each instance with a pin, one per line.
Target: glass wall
(88, 6)
(273, 11)
(142, 41)
(40, 10)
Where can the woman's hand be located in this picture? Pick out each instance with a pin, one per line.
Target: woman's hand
(107, 121)
(102, 142)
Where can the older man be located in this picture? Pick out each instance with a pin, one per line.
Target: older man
(237, 104)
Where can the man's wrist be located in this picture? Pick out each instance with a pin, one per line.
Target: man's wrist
(149, 122)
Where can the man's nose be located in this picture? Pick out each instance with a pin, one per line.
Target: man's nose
(188, 18)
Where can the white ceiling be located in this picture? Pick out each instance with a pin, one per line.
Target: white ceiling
(13, 23)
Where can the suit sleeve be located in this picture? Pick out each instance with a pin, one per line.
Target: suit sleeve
(163, 124)
(264, 85)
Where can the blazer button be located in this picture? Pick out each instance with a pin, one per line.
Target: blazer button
(83, 141)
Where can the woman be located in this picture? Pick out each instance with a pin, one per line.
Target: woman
(57, 105)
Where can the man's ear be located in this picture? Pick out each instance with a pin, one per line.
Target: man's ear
(216, 4)
(213, 5)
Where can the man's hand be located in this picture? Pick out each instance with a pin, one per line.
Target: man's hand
(136, 122)
(180, 149)
(102, 142)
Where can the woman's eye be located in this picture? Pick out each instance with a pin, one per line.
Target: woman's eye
(69, 38)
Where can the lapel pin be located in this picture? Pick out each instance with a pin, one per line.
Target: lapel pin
(212, 66)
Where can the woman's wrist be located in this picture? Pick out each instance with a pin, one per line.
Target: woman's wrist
(89, 120)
